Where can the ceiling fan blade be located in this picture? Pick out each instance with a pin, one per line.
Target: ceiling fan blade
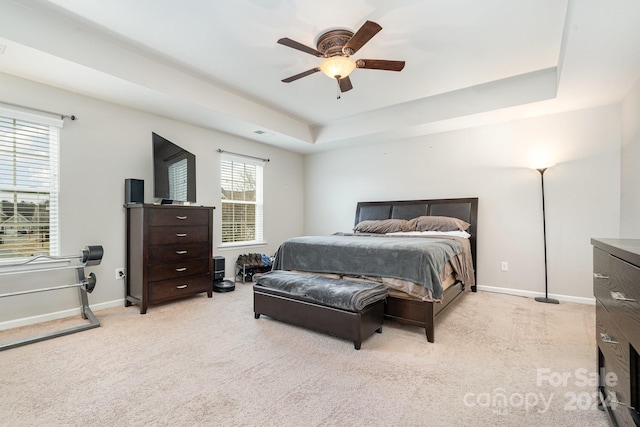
(380, 64)
(363, 35)
(345, 84)
(299, 46)
(301, 75)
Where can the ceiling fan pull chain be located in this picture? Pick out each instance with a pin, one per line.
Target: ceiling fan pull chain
(338, 82)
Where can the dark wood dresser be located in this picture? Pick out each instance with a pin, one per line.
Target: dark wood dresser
(616, 286)
(169, 253)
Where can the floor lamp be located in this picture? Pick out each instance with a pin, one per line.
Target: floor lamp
(544, 233)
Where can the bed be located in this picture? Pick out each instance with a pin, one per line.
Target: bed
(421, 284)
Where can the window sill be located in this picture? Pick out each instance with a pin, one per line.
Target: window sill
(16, 266)
(229, 246)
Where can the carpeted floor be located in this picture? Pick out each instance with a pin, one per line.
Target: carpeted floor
(497, 360)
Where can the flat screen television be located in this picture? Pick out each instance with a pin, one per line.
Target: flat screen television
(174, 172)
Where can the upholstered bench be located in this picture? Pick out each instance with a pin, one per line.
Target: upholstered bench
(347, 309)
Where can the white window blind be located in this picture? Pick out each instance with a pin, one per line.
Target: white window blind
(242, 206)
(28, 184)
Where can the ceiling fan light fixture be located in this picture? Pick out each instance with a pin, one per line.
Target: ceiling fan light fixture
(337, 66)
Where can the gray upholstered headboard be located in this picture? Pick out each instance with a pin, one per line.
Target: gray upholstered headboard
(465, 209)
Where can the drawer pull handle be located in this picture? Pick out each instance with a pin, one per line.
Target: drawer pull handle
(182, 217)
(181, 234)
(606, 338)
(181, 252)
(600, 276)
(613, 400)
(619, 296)
(181, 269)
(182, 287)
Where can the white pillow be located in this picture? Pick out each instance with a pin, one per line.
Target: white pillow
(457, 233)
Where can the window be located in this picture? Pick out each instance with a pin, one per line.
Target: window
(28, 184)
(241, 200)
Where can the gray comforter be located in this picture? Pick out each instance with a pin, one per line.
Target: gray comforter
(348, 295)
(418, 260)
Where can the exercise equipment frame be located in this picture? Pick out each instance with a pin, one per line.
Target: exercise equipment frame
(91, 255)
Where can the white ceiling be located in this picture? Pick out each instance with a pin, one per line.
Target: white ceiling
(217, 64)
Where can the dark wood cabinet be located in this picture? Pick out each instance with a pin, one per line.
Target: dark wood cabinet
(616, 286)
(169, 253)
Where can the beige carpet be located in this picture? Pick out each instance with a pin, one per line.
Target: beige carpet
(497, 360)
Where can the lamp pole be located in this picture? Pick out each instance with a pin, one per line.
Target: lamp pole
(544, 233)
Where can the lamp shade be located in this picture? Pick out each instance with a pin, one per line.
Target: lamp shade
(337, 66)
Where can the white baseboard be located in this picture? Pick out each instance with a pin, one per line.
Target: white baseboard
(10, 324)
(97, 307)
(530, 294)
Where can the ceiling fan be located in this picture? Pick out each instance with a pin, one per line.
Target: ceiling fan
(337, 46)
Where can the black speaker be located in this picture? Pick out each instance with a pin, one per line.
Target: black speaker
(218, 268)
(133, 191)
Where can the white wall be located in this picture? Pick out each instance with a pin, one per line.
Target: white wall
(109, 143)
(491, 163)
(630, 197)
(105, 145)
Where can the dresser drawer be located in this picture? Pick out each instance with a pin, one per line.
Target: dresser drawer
(600, 263)
(626, 276)
(177, 252)
(178, 234)
(615, 392)
(624, 299)
(177, 269)
(614, 365)
(178, 216)
(612, 342)
(177, 288)
(601, 279)
(616, 283)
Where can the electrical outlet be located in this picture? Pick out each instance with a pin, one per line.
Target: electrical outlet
(119, 273)
(504, 266)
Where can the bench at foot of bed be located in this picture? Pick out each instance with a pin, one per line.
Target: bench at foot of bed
(310, 301)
